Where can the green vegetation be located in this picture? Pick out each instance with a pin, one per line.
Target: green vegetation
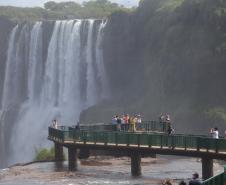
(62, 10)
(171, 5)
(45, 154)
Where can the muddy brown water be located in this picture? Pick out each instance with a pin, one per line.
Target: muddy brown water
(105, 170)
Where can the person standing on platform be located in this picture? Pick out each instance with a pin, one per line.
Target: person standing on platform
(214, 132)
(195, 179)
(119, 122)
(139, 121)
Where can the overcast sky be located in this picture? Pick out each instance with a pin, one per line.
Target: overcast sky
(30, 3)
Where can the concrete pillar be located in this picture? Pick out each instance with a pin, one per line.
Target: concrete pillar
(59, 153)
(72, 159)
(135, 164)
(207, 168)
(84, 154)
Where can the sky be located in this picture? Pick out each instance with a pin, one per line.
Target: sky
(31, 3)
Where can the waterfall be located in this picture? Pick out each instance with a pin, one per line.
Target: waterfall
(70, 79)
(35, 66)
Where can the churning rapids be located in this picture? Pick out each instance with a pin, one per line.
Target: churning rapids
(101, 171)
(47, 77)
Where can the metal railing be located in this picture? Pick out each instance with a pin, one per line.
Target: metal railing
(133, 138)
(145, 126)
(216, 180)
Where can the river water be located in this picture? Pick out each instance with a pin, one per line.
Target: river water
(105, 170)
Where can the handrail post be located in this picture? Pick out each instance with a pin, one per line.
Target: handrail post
(84, 134)
(198, 144)
(95, 138)
(173, 142)
(138, 140)
(224, 178)
(128, 139)
(106, 138)
(217, 145)
(185, 143)
(116, 138)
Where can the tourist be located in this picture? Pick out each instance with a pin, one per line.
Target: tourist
(55, 125)
(161, 118)
(195, 179)
(77, 127)
(167, 118)
(139, 121)
(133, 124)
(182, 183)
(214, 132)
(170, 130)
(114, 120)
(126, 119)
(119, 121)
(122, 119)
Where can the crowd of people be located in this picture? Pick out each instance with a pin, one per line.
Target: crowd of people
(194, 181)
(134, 121)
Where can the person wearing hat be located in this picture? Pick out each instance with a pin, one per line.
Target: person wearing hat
(195, 179)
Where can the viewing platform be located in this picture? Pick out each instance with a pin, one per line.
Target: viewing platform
(145, 142)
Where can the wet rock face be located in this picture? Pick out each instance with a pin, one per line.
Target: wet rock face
(165, 60)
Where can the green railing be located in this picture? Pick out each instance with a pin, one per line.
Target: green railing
(146, 139)
(216, 180)
(145, 126)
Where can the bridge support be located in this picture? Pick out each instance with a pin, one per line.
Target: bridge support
(59, 152)
(207, 168)
(72, 159)
(135, 164)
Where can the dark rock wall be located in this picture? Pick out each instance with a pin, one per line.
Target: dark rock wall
(164, 60)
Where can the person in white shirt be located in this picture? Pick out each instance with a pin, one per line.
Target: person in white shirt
(215, 133)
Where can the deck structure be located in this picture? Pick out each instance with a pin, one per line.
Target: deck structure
(137, 144)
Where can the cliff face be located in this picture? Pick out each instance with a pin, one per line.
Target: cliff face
(168, 56)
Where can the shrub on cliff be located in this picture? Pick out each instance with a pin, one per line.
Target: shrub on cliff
(46, 155)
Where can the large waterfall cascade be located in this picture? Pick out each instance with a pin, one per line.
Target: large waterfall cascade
(69, 80)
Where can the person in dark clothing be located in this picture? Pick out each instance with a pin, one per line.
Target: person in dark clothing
(119, 122)
(195, 179)
(182, 183)
(170, 130)
(77, 127)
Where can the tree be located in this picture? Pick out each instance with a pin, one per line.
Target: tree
(51, 5)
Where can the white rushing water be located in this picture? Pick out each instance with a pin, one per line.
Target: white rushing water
(70, 79)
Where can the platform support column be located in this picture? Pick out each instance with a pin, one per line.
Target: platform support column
(72, 159)
(135, 164)
(59, 152)
(207, 168)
